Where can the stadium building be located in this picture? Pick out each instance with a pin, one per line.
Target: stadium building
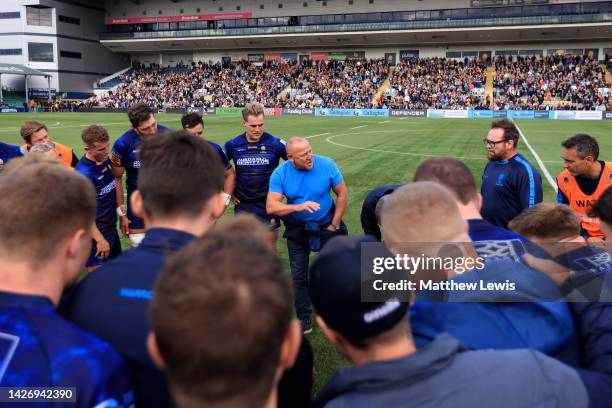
(86, 45)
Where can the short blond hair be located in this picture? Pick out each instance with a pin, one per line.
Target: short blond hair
(252, 109)
(60, 201)
(421, 212)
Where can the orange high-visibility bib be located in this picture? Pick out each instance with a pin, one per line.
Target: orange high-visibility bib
(581, 202)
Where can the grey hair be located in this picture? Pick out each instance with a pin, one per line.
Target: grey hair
(43, 147)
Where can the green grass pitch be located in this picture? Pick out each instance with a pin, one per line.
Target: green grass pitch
(370, 152)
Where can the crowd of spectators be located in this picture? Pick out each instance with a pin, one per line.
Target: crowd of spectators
(553, 82)
(200, 84)
(521, 83)
(340, 84)
(438, 83)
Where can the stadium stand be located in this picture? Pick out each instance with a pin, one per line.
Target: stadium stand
(550, 83)
(565, 82)
(438, 83)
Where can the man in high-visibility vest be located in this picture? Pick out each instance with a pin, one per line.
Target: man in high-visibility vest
(34, 132)
(583, 181)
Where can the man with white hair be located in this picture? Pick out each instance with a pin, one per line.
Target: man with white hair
(45, 149)
(310, 214)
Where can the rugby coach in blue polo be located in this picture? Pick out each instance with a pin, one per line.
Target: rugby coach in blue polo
(311, 217)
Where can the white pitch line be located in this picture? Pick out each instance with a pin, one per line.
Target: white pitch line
(547, 174)
(359, 127)
(320, 134)
(386, 121)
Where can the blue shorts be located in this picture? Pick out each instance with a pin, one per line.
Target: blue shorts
(258, 209)
(112, 236)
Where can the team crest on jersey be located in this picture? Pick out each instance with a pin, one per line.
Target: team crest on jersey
(565, 180)
(600, 262)
(501, 250)
(500, 179)
(263, 148)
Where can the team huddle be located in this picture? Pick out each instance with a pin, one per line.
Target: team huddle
(200, 312)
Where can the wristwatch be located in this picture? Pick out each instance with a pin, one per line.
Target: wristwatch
(336, 226)
(121, 211)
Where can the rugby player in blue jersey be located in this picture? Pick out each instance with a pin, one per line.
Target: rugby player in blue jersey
(8, 152)
(584, 275)
(255, 154)
(179, 200)
(47, 210)
(193, 123)
(124, 157)
(96, 166)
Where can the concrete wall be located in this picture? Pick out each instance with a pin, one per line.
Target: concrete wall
(373, 53)
(271, 9)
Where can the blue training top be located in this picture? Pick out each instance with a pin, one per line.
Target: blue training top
(307, 185)
(221, 153)
(8, 152)
(113, 301)
(254, 163)
(509, 187)
(40, 349)
(125, 154)
(103, 179)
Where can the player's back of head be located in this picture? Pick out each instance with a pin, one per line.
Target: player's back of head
(421, 212)
(546, 222)
(215, 352)
(42, 204)
(179, 174)
(247, 225)
(451, 173)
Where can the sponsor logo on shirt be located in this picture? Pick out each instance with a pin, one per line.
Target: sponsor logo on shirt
(107, 189)
(253, 161)
(585, 203)
(136, 164)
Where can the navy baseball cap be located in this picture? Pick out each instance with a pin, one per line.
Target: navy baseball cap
(335, 290)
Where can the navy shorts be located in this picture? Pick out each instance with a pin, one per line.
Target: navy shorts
(112, 236)
(258, 209)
